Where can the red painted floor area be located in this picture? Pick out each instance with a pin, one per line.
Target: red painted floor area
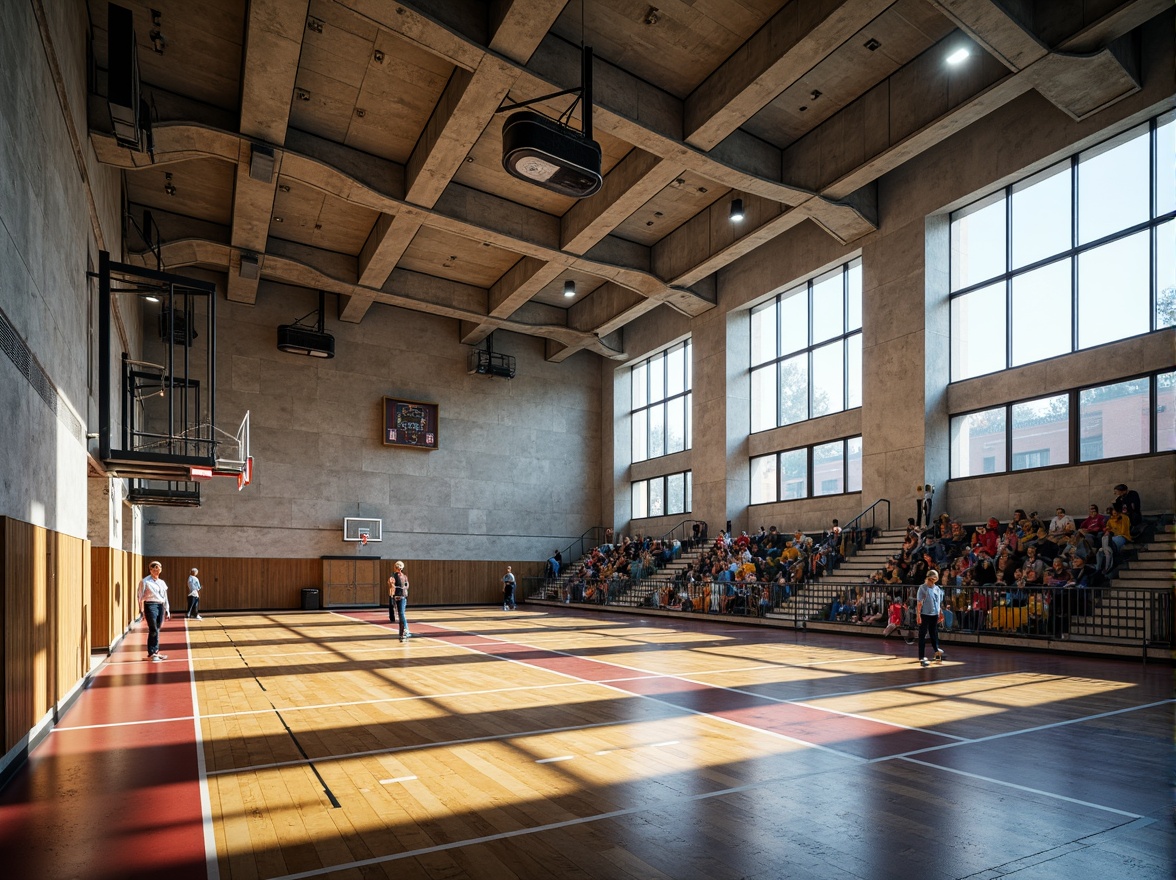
(113, 791)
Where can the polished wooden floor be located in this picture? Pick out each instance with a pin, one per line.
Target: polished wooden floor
(552, 743)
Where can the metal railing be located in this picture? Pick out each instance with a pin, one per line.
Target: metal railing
(1114, 614)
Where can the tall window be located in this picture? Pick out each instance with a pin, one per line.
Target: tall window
(806, 350)
(825, 469)
(1077, 255)
(1128, 418)
(661, 403)
(662, 496)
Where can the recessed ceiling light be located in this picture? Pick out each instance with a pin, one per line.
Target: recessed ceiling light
(958, 56)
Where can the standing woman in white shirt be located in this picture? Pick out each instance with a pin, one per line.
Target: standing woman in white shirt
(153, 606)
(194, 594)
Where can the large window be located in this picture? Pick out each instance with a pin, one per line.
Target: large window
(661, 403)
(806, 350)
(825, 469)
(662, 496)
(1132, 417)
(1080, 254)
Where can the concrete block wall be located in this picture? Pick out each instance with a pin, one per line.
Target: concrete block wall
(516, 474)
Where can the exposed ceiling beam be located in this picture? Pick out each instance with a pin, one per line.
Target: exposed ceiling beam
(273, 42)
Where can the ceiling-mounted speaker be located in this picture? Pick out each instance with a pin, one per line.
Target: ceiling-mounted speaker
(544, 152)
(261, 163)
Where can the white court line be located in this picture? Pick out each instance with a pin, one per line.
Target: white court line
(397, 779)
(1025, 788)
(668, 803)
(556, 759)
(210, 860)
(675, 706)
(1080, 720)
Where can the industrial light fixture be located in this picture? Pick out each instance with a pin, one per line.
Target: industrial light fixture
(958, 56)
(737, 211)
(548, 152)
(569, 288)
(297, 338)
(168, 186)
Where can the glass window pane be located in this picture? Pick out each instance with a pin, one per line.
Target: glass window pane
(1041, 215)
(689, 364)
(853, 375)
(1113, 185)
(689, 417)
(1041, 314)
(657, 378)
(1113, 420)
(793, 474)
(828, 379)
(763, 479)
(675, 371)
(1165, 412)
(829, 468)
(978, 332)
(689, 491)
(854, 464)
(657, 497)
(978, 242)
(763, 398)
(1166, 164)
(853, 318)
(676, 493)
(1113, 291)
(1166, 275)
(763, 333)
(657, 430)
(793, 384)
(978, 443)
(794, 333)
(640, 499)
(640, 436)
(675, 425)
(1041, 433)
(640, 378)
(829, 305)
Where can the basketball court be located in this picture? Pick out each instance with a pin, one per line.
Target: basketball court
(557, 743)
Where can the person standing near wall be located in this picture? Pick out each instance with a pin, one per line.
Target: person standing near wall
(194, 595)
(508, 590)
(929, 608)
(152, 596)
(398, 599)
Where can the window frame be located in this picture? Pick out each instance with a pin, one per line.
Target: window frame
(1073, 427)
(810, 470)
(662, 402)
(1151, 226)
(774, 305)
(664, 480)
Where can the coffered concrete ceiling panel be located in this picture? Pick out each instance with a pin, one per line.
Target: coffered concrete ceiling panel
(383, 122)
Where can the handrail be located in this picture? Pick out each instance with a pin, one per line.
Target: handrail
(597, 538)
(853, 523)
(684, 525)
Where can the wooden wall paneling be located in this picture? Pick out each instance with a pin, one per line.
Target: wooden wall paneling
(101, 597)
(71, 614)
(24, 634)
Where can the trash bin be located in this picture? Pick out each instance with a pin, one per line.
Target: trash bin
(310, 599)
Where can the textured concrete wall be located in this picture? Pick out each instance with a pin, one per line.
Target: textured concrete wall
(47, 235)
(516, 474)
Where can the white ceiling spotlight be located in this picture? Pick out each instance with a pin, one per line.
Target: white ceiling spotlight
(569, 288)
(737, 211)
(958, 56)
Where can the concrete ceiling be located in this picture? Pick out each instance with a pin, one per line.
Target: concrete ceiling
(385, 126)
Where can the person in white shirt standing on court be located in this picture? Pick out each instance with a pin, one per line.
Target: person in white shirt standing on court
(930, 612)
(153, 606)
(194, 594)
(508, 590)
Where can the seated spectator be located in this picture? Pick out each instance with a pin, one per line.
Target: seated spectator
(1057, 575)
(1010, 540)
(1018, 592)
(1038, 606)
(1057, 525)
(984, 572)
(1019, 522)
(986, 538)
(1034, 562)
(1114, 539)
(765, 602)
(976, 617)
(893, 615)
(1095, 523)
